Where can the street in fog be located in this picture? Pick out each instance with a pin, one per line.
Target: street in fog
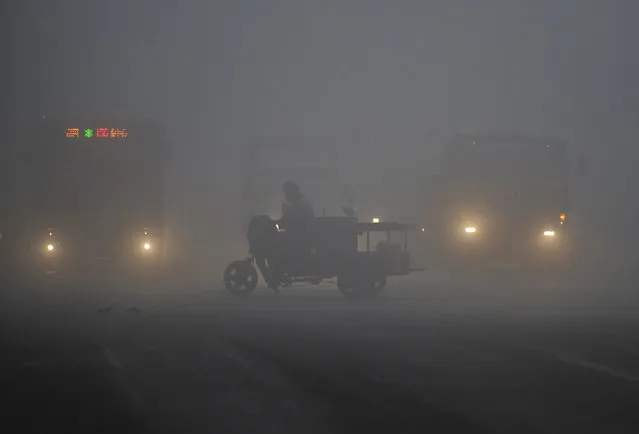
(427, 355)
(148, 136)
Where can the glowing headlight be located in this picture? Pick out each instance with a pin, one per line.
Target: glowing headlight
(470, 229)
(549, 233)
(145, 243)
(49, 249)
(375, 220)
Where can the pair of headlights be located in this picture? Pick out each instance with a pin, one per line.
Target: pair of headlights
(472, 229)
(51, 246)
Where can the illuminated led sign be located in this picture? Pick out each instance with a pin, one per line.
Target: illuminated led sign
(99, 133)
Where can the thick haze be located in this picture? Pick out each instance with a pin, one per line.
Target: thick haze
(222, 71)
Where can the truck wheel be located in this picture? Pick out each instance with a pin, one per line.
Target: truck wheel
(240, 278)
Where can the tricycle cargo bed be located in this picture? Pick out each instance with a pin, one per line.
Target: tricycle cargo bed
(386, 227)
(392, 263)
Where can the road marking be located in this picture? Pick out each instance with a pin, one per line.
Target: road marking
(597, 367)
(576, 361)
(110, 356)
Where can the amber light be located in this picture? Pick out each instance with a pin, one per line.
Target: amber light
(562, 217)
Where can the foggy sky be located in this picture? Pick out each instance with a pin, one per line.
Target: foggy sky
(222, 71)
(312, 66)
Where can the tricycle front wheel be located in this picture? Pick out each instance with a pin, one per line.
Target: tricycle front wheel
(240, 278)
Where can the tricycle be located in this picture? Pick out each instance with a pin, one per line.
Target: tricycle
(331, 249)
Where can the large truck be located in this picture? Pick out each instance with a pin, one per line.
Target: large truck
(84, 192)
(501, 197)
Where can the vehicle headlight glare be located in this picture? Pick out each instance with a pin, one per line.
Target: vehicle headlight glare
(549, 234)
(470, 229)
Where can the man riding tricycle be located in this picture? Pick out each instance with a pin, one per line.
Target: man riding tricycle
(302, 248)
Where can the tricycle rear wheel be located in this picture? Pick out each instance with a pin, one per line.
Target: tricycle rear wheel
(362, 286)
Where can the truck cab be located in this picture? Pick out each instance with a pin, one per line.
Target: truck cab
(502, 197)
(87, 192)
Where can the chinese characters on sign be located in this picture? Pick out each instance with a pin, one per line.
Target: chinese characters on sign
(100, 133)
(117, 133)
(73, 132)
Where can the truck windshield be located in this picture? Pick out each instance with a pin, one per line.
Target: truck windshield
(497, 163)
(83, 180)
(87, 184)
(507, 172)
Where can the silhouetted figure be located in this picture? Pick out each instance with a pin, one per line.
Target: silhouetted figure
(263, 239)
(295, 226)
(297, 212)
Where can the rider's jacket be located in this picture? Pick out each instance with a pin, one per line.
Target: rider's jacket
(297, 215)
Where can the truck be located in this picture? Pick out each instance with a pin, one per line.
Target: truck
(501, 198)
(84, 192)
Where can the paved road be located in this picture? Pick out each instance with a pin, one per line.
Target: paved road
(435, 355)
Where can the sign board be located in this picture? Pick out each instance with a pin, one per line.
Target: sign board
(92, 132)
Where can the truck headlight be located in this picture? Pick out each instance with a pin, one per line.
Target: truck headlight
(49, 248)
(145, 243)
(470, 229)
(549, 233)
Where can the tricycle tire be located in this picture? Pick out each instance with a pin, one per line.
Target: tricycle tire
(362, 286)
(240, 278)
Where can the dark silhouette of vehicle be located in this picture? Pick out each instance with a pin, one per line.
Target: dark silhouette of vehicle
(333, 251)
(86, 192)
(502, 197)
